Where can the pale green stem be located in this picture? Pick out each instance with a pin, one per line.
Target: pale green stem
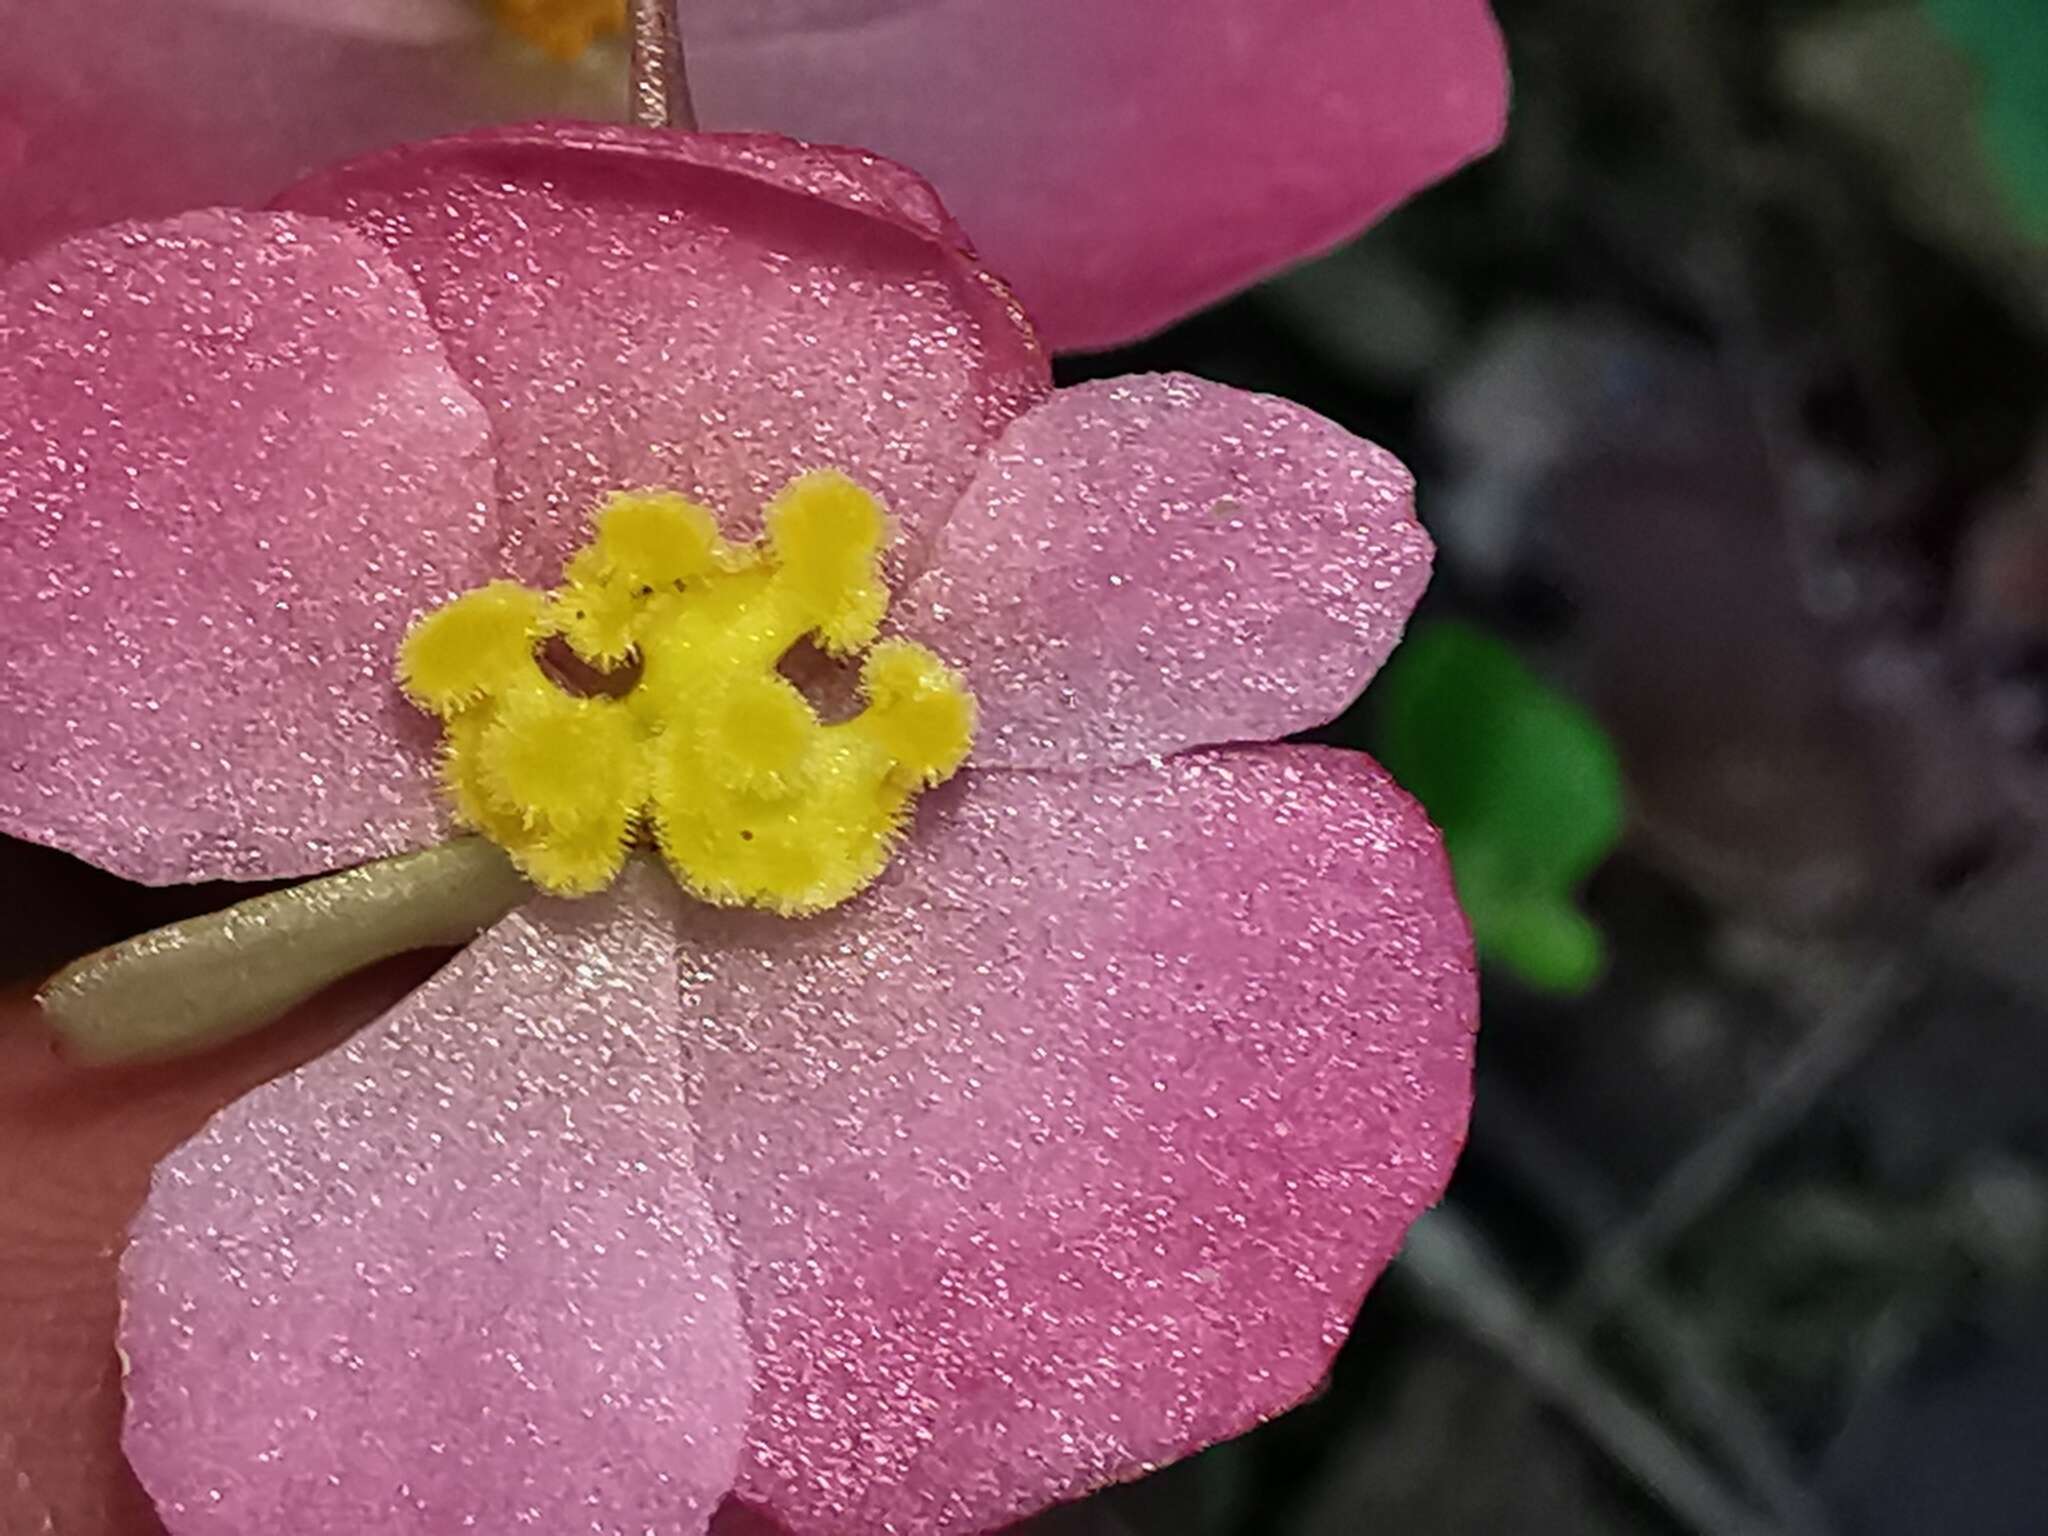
(184, 988)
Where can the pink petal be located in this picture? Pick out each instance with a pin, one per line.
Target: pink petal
(715, 315)
(1158, 562)
(411, 21)
(234, 466)
(115, 109)
(1121, 171)
(1072, 1146)
(457, 1275)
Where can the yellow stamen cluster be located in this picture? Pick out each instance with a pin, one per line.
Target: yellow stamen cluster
(561, 28)
(751, 797)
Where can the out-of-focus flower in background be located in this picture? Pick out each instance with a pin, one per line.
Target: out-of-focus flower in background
(115, 109)
(1122, 166)
(1119, 173)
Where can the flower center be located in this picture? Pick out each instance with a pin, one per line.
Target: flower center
(751, 798)
(563, 28)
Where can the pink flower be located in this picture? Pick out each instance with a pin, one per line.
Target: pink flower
(1118, 172)
(1121, 168)
(1067, 1148)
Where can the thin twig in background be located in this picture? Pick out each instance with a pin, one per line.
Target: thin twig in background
(1451, 1266)
(1689, 1367)
(1840, 1038)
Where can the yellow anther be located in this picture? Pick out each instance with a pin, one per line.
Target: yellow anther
(478, 646)
(599, 617)
(462, 775)
(656, 539)
(562, 28)
(792, 853)
(563, 764)
(578, 862)
(751, 799)
(919, 711)
(758, 734)
(826, 536)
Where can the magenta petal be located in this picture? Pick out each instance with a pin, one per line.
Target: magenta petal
(712, 314)
(1121, 170)
(457, 1275)
(1158, 562)
(118, 109)
(234, 465)
(1072, 1146)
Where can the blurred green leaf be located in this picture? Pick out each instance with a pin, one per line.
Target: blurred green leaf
(2008, 41)
(1524, 784)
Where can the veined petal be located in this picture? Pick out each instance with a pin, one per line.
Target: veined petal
(234, 467)
(1071, 1147)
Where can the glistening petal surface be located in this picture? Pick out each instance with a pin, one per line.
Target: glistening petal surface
(712, 314)
(76, 1148)
(234, 466)
(1072, 1145)
(1120, 169)
(456, 1275)
(118, 109)
(1159, 562)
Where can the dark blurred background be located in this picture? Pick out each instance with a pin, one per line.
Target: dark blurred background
(1725, 384)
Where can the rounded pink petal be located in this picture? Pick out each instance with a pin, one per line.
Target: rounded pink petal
(116, 109)
(1119, 167)
(234, 467)
(1072, 1146)
(457, 1275)
(714, 315)
(1158, 562)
